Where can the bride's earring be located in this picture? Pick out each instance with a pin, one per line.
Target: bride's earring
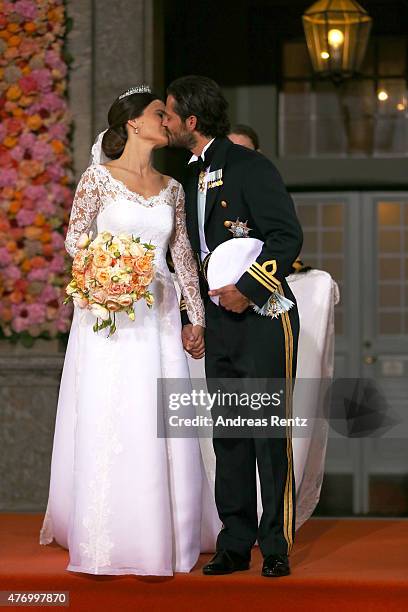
(136, 130)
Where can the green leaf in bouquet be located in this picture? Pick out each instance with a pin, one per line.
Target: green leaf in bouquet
(149, 246)
(112, 329)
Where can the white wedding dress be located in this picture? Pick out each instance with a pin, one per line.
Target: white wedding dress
(122, 500)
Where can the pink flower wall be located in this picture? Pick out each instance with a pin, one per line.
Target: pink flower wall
(35, 170)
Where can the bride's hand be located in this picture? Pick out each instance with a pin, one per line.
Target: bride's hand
(193, 340)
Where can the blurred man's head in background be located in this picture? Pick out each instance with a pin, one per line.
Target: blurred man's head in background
(245, 136)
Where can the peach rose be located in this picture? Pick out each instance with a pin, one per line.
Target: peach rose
(33, 233)
(99, 296)
(143, 264)
(57, 146)
(39, 220)
(113, 305)
(102, 276)
(14, 41)
(30, 27)
(127, 260)
(37, 262)
(125, 300)
(146, 279)
(117, 289)
(79, 279)
(79, 261)
(100, 311)
(102, 259)
(34, 122)
(10, 142)
(31, 167)
(13, 92)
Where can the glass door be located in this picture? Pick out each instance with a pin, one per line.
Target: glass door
(361, 239)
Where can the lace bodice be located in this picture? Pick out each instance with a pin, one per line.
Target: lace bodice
(105, 201)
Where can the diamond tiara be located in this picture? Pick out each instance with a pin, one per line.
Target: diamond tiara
(138, 89)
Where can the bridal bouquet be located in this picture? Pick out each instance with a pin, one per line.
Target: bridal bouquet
(110, 274)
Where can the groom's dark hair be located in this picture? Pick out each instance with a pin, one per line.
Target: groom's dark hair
(203, 98)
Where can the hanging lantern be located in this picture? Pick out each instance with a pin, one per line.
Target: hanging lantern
(337, 34)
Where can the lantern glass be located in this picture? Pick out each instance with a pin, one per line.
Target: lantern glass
(337, 33)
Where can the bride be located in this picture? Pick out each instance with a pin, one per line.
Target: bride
(121, 499)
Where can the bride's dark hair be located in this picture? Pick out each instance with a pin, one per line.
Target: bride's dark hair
(129, 107)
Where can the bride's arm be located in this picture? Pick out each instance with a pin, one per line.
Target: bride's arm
(185, 265)
(84, 209)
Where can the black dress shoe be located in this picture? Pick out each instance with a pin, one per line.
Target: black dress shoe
(275, 565)
(225, 562)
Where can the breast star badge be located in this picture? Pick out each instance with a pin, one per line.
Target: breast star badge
(238, 228)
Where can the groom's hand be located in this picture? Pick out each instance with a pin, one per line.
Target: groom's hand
(193, 340)
(231, 298)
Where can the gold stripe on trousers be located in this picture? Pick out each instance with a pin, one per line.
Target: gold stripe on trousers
(288, 496)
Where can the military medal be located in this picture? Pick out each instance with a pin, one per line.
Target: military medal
(214, 179)
(238, 228)
(276, 305)
(201, 181)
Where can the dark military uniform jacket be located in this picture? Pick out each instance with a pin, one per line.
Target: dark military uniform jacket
(251, 190)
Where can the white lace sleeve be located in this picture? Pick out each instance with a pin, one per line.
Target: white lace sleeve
(185, 265)
(84, 209)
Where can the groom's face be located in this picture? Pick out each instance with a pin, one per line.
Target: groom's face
(180, 133)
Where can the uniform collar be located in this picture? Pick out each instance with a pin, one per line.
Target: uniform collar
(194, 158)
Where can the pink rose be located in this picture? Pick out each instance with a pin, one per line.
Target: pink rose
(58, 193)
(36, 313)
(52, 102)
(57, 240)
(46, 207)
(25, 217)
(27, 140)
(38, 274)
(17, 153)
(63, 325)
(35, 192)
(43, 151)
(14, 126)
(19, 324)
(5, 158)
(48, 294)
(28, 84)
(26, 9)
(58, 131)
(5, 257)
(57, 264)
(12, 272)
(8, 177)
(55, 172)
(43, 78)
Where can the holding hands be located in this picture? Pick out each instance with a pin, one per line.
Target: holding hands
(193, 340)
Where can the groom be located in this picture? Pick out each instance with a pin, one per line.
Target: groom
(239, 343)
